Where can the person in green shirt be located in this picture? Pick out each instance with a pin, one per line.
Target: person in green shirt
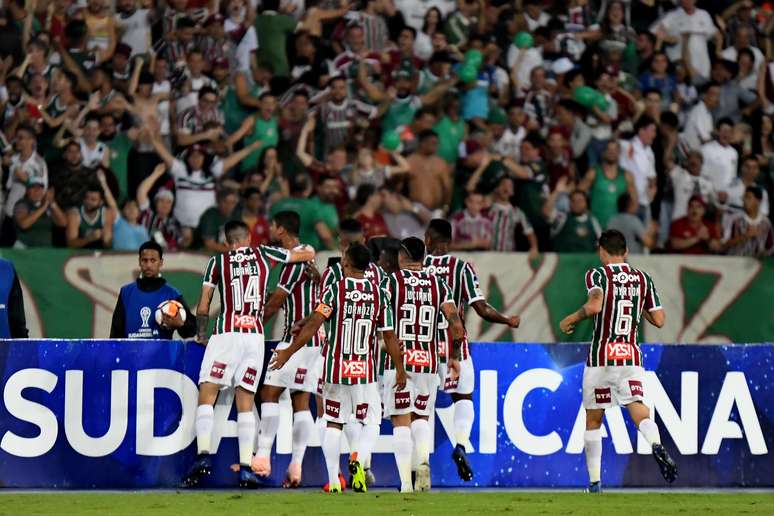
(265, 130)
(451, 130)
(319, 218)
(605, 183)
(36, 214)
(574, 232)
(119, 145)
(273, 29)
(213, 220)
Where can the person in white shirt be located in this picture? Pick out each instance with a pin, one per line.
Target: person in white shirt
(25, 164)
(135, 25)
(699, 124)
(748, 176)
(687, 20)
(414, 11)
(521, 62)
(720, 160)
(687, 183)
(637, 157)
(743, 40)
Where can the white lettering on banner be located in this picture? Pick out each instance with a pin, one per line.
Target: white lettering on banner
(513, 407)
(487, 407)
(31, 412)
(80, 441)
(682, 427)
(734, 391)
(148, 381)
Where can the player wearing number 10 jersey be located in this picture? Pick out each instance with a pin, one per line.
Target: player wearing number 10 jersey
(355, 309)
(234, 354)
(618, 295)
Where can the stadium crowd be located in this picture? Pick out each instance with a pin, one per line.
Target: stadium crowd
(531, 124)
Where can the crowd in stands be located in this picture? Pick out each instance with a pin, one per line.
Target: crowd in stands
(532, 125)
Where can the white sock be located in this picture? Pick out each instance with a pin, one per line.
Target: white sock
(332, 450)
(649, 430)
(245, 436)
(401, 445)
(302, 427)
(414, 458)
(204, 417)
(420, 430)
(319, 425)
(268, 428)
(463, 421)
(368, 436)
(352, 431)
(592, 444)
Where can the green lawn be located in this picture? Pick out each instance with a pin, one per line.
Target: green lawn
(303, 503)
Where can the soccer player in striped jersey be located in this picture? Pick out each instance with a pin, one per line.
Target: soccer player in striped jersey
(355, 309)
(297, 293)
(418, 300)
(234, 354)
(618, 296)
(463, 281)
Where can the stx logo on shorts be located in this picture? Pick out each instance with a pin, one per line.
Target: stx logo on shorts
(437, 269)
(421, 401)
(218, 370)
(244, 322)
(356, 295)
(354, 369)
(413, 281)
(300, 375)
(319, 386)
(361, 411)
(418, 357)
(635, 387)
(332, 408)
(625, 277)
(402, 400)
(603, 395)
(619, 351)
(250, 376)
(450, 384)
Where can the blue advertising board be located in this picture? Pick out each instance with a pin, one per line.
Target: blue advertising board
(120, 414)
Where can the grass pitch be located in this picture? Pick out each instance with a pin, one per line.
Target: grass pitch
(304, 503)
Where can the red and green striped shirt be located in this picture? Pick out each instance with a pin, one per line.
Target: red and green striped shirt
(335, 273)
(303, 295)
(626, 292)
(241, 277)
(355, 310)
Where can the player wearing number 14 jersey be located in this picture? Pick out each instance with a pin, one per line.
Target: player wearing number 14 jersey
(618, 295)
(234, 353)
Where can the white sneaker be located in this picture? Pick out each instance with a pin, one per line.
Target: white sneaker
(422, 481)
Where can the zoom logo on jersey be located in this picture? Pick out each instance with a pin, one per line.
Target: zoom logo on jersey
(242, 256)
(635, 387)
(249, 377)
(354, 369)
(356, 295)
(603, 396)
(361, 411)
(625, 277)
(619, 351)
(332, 408)
(418, 357)
(413, 281)
(218, 370)
(437, 269)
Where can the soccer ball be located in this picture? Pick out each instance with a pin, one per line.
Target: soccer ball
(169, 308)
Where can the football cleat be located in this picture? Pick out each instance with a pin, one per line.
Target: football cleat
(463, 465)
(422, 482)
(248, 479)
(342, 484)
(594, 487)
(369, 476)
(293, 478)
(357, 477)
(665, 463)
(335, 489)
(261, 466)
(200, 469)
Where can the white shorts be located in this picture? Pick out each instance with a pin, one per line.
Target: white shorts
(233, 360)
(299, 373)
(612, 386)
(464, 384)
(417, 398)
(343, 401)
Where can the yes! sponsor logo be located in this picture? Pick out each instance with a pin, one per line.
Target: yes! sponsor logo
(244, 322)
(418, 357)
(619, 351)
(354, 369)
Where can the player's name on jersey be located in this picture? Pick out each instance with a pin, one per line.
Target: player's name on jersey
(419, 296)
(245, 270)
(359, 310)
(628, 290)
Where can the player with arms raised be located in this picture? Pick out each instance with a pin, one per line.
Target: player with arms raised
(297, 293)
(418, 300)
(618, 295)
(464, 284)
(234, 353)
(355, 309)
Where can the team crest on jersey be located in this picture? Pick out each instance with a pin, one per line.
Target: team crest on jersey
(244, 322)
(332, 408)
(619, 351)
(402, 400)
(418, 357)
(300, 376)
(354, 369)
(625, 277)
(361, 411)
(218, 370)
(413, 281)
(421, 401)
(603, 396)
(356, 295)
(250, 376)
(635, 387)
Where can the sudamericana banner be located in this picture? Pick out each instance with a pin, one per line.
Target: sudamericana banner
(708, 299)
(120, 414)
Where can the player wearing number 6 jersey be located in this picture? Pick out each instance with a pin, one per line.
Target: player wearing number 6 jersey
(618, 295)
(463, 281)
(355, 309)
(418, 300)
(234, 354)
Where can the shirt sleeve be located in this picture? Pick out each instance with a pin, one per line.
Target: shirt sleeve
(274, 254)
(471, 285)
(290, 276)
(652, 300)
(178, 169)
(385, 316)
(327, 302)
(594, 280)
(445, 292)
(212, 272)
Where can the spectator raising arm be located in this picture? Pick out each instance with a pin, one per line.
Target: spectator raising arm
(147, 183)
